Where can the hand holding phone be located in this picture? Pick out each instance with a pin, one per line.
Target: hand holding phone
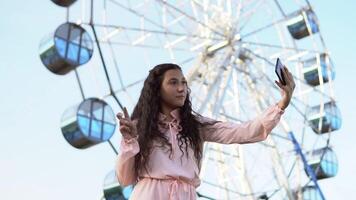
(279, 72)
(285, 83)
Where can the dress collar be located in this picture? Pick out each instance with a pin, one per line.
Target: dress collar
(174, 113)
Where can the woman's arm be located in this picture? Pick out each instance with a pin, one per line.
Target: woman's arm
(125, 165)
(251, 131)
(254, 130)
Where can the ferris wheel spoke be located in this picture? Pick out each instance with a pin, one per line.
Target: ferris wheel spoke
(136, 13)
(249, 34)
(118, 28)
(301, 50)
(249, 15)
(191, 18)
(267, 26)
(124, 88)
(280, 8)
(146, 46)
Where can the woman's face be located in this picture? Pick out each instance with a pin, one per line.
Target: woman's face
(173, 89)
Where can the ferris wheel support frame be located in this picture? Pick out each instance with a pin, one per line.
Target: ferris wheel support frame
(243, 179)
(310, 171)
(281, 175)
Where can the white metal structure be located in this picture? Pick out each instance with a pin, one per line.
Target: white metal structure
(228, 49)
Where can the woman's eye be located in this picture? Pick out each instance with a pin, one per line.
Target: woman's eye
(176, 82)
(173, 82)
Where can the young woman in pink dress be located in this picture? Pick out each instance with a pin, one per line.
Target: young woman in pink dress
(162, 144)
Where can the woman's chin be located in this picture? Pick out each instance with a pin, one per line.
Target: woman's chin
(179, 104)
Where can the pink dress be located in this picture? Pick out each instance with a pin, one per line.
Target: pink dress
(176, 177)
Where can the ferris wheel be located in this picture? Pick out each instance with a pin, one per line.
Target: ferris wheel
(228, 50)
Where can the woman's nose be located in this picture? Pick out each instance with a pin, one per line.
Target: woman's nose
(181, 87)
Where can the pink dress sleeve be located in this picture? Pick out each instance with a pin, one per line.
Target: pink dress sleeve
(251, 131)
(125, 165)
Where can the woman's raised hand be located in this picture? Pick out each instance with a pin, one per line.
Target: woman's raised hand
(128, 128)
(286, 90)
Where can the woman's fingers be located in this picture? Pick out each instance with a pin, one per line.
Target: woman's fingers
(125, 129)
(279, 84)
(125, 122)
(124, 118)
(127, 126)
(121, 116)
(126, 113)
(286, 74)
(289, 77)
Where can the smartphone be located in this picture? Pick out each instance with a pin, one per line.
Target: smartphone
(278, 70)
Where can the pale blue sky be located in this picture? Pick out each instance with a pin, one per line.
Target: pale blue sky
(37, 163)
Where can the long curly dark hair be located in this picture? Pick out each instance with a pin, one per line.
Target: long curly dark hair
(147, 111)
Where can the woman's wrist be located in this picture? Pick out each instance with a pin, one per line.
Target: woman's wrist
(280, 105)
(283, 103)
(129, 139)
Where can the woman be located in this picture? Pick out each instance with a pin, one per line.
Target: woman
(162, 143)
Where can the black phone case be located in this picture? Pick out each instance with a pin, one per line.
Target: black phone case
(281, 76)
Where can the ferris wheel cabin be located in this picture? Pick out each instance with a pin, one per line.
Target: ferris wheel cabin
(113, 190)
(318, 66)
(64, 3)
(324, 163)
(66, 49)
(309, 192)
(89, 123)
(324, 119)
(303, 24)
